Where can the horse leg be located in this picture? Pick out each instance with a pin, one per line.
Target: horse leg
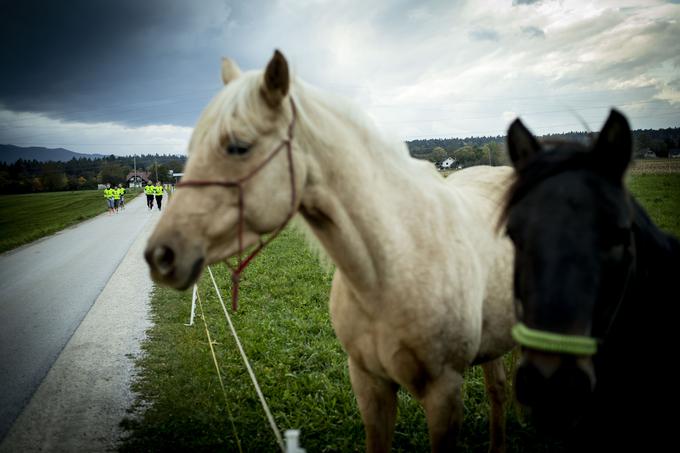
(494, 377)
(377, 399)
(443, 405)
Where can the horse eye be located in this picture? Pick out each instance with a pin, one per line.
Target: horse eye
(614, 245)
(237, 148)
(617, 237)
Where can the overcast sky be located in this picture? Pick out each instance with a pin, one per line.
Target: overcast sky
(130, 76)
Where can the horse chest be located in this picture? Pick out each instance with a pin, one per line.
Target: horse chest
(403, 344)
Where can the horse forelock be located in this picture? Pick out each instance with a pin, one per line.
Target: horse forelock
(319, 114)
(558, 158)
(239, 98)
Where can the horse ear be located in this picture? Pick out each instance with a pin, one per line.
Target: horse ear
(230, 70)
(614, 146)
(522, 145)
(276, 80)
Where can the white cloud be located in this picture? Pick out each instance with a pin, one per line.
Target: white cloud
(509, 116)
(443, 68)
(30, 129)
(593, 56)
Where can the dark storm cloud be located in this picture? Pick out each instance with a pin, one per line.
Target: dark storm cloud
(124, 60)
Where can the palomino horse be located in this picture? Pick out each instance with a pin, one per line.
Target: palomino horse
(595, 281)
(423, 286)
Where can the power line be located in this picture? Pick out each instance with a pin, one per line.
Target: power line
(524, 113)
(129, 107)
(46, 135)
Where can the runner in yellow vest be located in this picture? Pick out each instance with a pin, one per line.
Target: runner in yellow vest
(121, 191)
(149, 191)
(158, 192)
(108, 195)
(116, 198)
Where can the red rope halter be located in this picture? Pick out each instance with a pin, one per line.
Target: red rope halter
(236, 271)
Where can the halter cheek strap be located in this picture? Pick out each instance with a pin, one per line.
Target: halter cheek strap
(286, 144)
(543, 340)
(553, 342)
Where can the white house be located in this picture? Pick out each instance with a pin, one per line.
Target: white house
(447, 163)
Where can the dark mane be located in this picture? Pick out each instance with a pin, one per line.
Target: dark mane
(558, 157)
(657, 248)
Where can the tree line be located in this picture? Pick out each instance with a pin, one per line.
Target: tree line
(27, 176)
(491, 150)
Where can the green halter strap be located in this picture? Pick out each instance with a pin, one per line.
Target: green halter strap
(553, 342)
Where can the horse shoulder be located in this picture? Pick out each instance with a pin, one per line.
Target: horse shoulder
(407, 337)
(483, 189)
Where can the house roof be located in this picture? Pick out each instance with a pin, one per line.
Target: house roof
(142, 174)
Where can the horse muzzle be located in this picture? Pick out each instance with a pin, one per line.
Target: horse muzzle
(172, 264)
(556, 388)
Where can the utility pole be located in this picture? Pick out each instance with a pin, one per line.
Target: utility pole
(155, 162)
(134, 159)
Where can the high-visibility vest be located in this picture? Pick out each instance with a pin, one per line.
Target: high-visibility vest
(116, 194)
(121, 190)
(108, 193)
(158, 190)
(149, 189)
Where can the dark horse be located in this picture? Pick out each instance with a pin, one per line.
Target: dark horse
(596, 291)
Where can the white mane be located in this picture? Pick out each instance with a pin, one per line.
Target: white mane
(321, 113)
(320, 116)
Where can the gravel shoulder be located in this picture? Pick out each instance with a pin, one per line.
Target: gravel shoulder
(84, 396)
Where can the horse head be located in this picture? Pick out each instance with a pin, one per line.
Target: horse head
(241, 180)
(570, 220)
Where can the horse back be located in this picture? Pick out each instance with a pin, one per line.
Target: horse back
(484, 189)
(636, 387)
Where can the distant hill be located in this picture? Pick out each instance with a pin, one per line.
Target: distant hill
(10, 154)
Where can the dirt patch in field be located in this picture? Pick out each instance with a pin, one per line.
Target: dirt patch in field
(655, 166)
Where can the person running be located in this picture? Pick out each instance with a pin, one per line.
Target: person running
(116, 198)
(158, 192)
(108, 195)
(122, 191)
(149, 191)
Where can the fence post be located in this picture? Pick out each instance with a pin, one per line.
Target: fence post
(292, 441)
(193, 306)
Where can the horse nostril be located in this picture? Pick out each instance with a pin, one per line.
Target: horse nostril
(573, 384)
(164, 259)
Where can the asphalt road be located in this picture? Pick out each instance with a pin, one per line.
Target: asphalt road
(47, 288)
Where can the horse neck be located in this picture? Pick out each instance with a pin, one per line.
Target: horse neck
(365, 199)
(645, 320)
(657, 256)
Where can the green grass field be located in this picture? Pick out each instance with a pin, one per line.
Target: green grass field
(284, 325)
(659, 194)
(25, 218)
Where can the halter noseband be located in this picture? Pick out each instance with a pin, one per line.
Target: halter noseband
(547, 341)
(286, 143)
(553, 342)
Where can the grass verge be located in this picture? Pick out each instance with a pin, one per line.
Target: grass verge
(25, 218)
(659, 194)
(284, 325)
